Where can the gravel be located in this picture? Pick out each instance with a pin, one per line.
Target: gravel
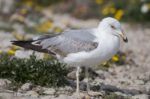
(132, 76)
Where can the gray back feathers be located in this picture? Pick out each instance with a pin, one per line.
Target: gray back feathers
(71, 41)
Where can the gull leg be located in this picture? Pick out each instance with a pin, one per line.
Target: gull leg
(87, 77)
(77, 78)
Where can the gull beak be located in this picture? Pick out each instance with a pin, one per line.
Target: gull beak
(123, 36)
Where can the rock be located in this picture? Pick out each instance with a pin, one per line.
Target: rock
(26, 87)
(141, 96)
(139, 82)
(147, 88)
(61, 90)
(68, 89)
(38, 89)
(49, 91)
(120, 94)
(72, 75)
(85, 96)
(31, 93)
(92, 93)
(19, 94)
(4, 83)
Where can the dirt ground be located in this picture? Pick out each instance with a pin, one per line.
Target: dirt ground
(133, 76)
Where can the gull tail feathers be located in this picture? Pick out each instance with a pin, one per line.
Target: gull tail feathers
(30, 44)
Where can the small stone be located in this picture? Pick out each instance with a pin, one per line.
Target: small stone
(26, 87)
(85, 97)
(120, 94)
(141, 96)
(4, 83)
(92, 93)
(68, 88)
(61, 90)
(38, 89)
(147, 88)
(49, 91)
(19, 94)
(31, 93)
(72, 75)
(139, 82)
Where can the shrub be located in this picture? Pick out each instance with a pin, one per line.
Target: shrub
(41, 72)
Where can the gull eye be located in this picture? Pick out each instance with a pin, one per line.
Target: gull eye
(113, 27)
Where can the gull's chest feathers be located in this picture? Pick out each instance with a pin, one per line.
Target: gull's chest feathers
(106, 49)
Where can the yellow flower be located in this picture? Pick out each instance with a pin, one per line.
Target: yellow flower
(99, 1)
(44, 27)
(105, 11)
(11, 52)
(115, 58)
(119, 14)
(48, 24)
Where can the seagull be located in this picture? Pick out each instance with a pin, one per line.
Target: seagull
(82, 47)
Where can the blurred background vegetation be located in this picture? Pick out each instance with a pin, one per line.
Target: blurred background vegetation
(34, 15)
(129, 10)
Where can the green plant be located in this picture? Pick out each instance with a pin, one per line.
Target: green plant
(40, 72)
(115, 96)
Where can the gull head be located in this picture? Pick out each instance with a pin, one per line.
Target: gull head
(112, 26)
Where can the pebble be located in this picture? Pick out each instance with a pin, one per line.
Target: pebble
(31, 93)
(139, 82)
(38, 89)
(4, 83)
(49, 91)
(120, 94)
(72, 75)
(26, 87)
(141, 96)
